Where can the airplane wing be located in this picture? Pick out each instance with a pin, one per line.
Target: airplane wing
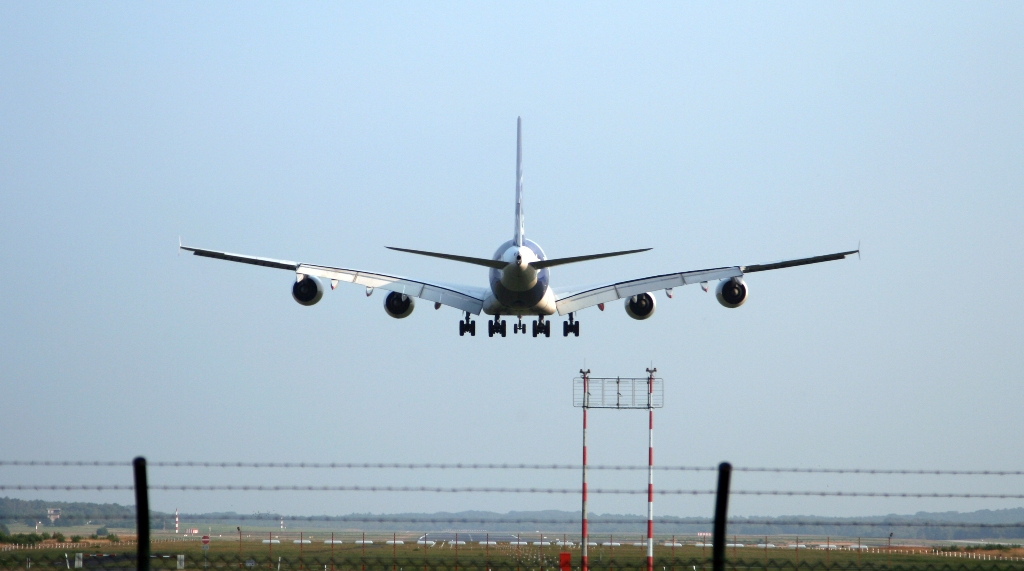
(465, 298)
(575, 299)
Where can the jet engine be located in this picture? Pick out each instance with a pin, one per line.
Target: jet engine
(307, 291)
(398, 305)
(731, 292)
(640, 306)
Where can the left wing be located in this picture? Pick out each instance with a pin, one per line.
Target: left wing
(466, 298)
(572, 300)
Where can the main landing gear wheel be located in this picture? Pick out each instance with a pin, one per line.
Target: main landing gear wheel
(571, 326)
(467, 326)
(496, 326)
(542, 326)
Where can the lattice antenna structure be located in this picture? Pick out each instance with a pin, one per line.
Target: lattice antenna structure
(621, 393)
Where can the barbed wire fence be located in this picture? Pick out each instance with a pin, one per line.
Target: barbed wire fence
(511, 552)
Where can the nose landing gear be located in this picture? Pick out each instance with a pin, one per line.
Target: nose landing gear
(541, 326)
(519, 327)
(497, 325)
(467, 326)
(571, 326)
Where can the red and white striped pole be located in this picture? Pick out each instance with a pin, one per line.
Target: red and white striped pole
(650, 469)
(586, 404)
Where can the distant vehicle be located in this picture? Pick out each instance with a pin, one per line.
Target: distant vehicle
(519, 281)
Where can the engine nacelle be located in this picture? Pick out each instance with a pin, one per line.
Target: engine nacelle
(307, 291)
(399, 305)
(732, 292)
(640, 306)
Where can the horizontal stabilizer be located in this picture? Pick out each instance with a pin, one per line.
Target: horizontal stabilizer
(562, 261)
(496, 264)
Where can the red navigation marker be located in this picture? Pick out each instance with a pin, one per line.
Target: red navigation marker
(206, 540)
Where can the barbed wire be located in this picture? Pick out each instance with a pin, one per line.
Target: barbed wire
(500, 490)
(505, 466)
(665, 521)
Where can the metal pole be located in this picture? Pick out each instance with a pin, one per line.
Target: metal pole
(586, 404)
(650, 469)
(141, 512)
(721, 510)
(888, 550)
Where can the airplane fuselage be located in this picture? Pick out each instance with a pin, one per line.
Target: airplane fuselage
(518, 288)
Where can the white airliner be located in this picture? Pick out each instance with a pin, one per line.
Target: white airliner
(519, 281)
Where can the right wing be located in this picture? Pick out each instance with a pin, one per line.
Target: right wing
(569, 301)
(466, 298)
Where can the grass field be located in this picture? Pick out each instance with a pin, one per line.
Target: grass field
(225, 552)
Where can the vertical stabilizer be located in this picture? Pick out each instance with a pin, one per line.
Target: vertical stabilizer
(518, 237)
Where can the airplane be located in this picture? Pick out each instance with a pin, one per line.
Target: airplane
(519, 281)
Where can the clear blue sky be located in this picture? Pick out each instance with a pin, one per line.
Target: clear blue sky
(322, 133)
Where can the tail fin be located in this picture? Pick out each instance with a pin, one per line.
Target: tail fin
(518, 237)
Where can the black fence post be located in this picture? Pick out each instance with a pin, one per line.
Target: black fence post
(721, 511)
(141, 512)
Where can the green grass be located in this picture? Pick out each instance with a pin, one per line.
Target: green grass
(224, 554)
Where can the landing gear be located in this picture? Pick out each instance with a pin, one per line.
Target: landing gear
(541, 326)
(519, 327)
(467, 326)
(571, 326)
(497, 325)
